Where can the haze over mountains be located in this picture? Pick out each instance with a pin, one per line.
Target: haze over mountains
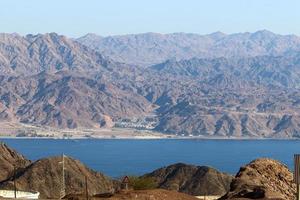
(153, 48)
(238, 85)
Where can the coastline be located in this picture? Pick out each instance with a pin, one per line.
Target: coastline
(151, 138)
(26, 131)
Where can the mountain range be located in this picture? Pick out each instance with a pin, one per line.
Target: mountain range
(153, 48)
(216, 85)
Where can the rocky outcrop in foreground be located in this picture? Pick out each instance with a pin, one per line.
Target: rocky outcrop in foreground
(157, 194)
(10, 159)
(45, 176)
(193, 180)
(263, 179)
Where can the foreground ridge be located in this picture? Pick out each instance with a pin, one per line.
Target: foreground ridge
(260, 179)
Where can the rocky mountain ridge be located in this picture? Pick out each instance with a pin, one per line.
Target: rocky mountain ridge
(9, 160)
(193, 180)
(262, 178)
(152, 48)
(51, 80)
(45, 176)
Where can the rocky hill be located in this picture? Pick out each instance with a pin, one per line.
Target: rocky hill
(157, 194)
(153, 48)
(51, 80)
(193, 180)
(46, 176)
(253, 97)
(10, 160)
(49, 52)
(262, 179)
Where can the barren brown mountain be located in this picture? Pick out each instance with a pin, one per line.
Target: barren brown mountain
(46, 177)
(263, 179)
(157, 194)
(193, 180)
(51, 80)
(152, 48)
(10, 160)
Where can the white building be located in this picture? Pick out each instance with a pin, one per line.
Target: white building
(19, 194)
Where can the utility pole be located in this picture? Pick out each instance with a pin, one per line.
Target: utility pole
(63, 186)
(86, 189)
(297, 173)
(15, 186)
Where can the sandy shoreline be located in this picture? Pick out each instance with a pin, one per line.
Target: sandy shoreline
(25, 131)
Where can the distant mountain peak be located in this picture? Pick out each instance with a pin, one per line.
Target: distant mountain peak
(217, 35)
(264, 31)
(91, 35)
(152, 48)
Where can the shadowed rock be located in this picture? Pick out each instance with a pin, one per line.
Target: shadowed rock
(46, 177)
(193, 180)
(10, 160)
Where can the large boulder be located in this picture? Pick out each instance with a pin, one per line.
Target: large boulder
(10, 160)
(263, 179)
(193, 180)
(46, 177)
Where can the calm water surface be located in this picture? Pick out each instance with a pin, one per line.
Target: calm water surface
(118, 157)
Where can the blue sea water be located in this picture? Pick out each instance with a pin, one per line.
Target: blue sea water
(135, 157)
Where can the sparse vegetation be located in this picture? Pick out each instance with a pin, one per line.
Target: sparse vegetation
(142, 183)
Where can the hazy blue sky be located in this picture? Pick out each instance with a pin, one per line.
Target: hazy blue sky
(110, 17)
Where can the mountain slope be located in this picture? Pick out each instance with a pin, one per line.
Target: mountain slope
(66, 100)
(45, 176)
(55, 81)
(153, 48)
(9, 161)
(51, 80)
(51, 52)
(249, 97)
(193, 180)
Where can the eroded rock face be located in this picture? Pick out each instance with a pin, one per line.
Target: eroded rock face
(263, 179)
(10, 159)
(193, 180)
(45, 176)
(227, 90)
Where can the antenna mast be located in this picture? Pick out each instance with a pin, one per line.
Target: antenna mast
(63, 185)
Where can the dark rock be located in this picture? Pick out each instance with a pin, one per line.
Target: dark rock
(193, 180)
(10, 160)
(45, 176)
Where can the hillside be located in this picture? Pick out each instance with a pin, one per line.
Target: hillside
(193, 180)
(152, 48)
(9, 161)
(157, 194)
(253, 97)
(51, 80)
(45, 176)
(262, 179)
